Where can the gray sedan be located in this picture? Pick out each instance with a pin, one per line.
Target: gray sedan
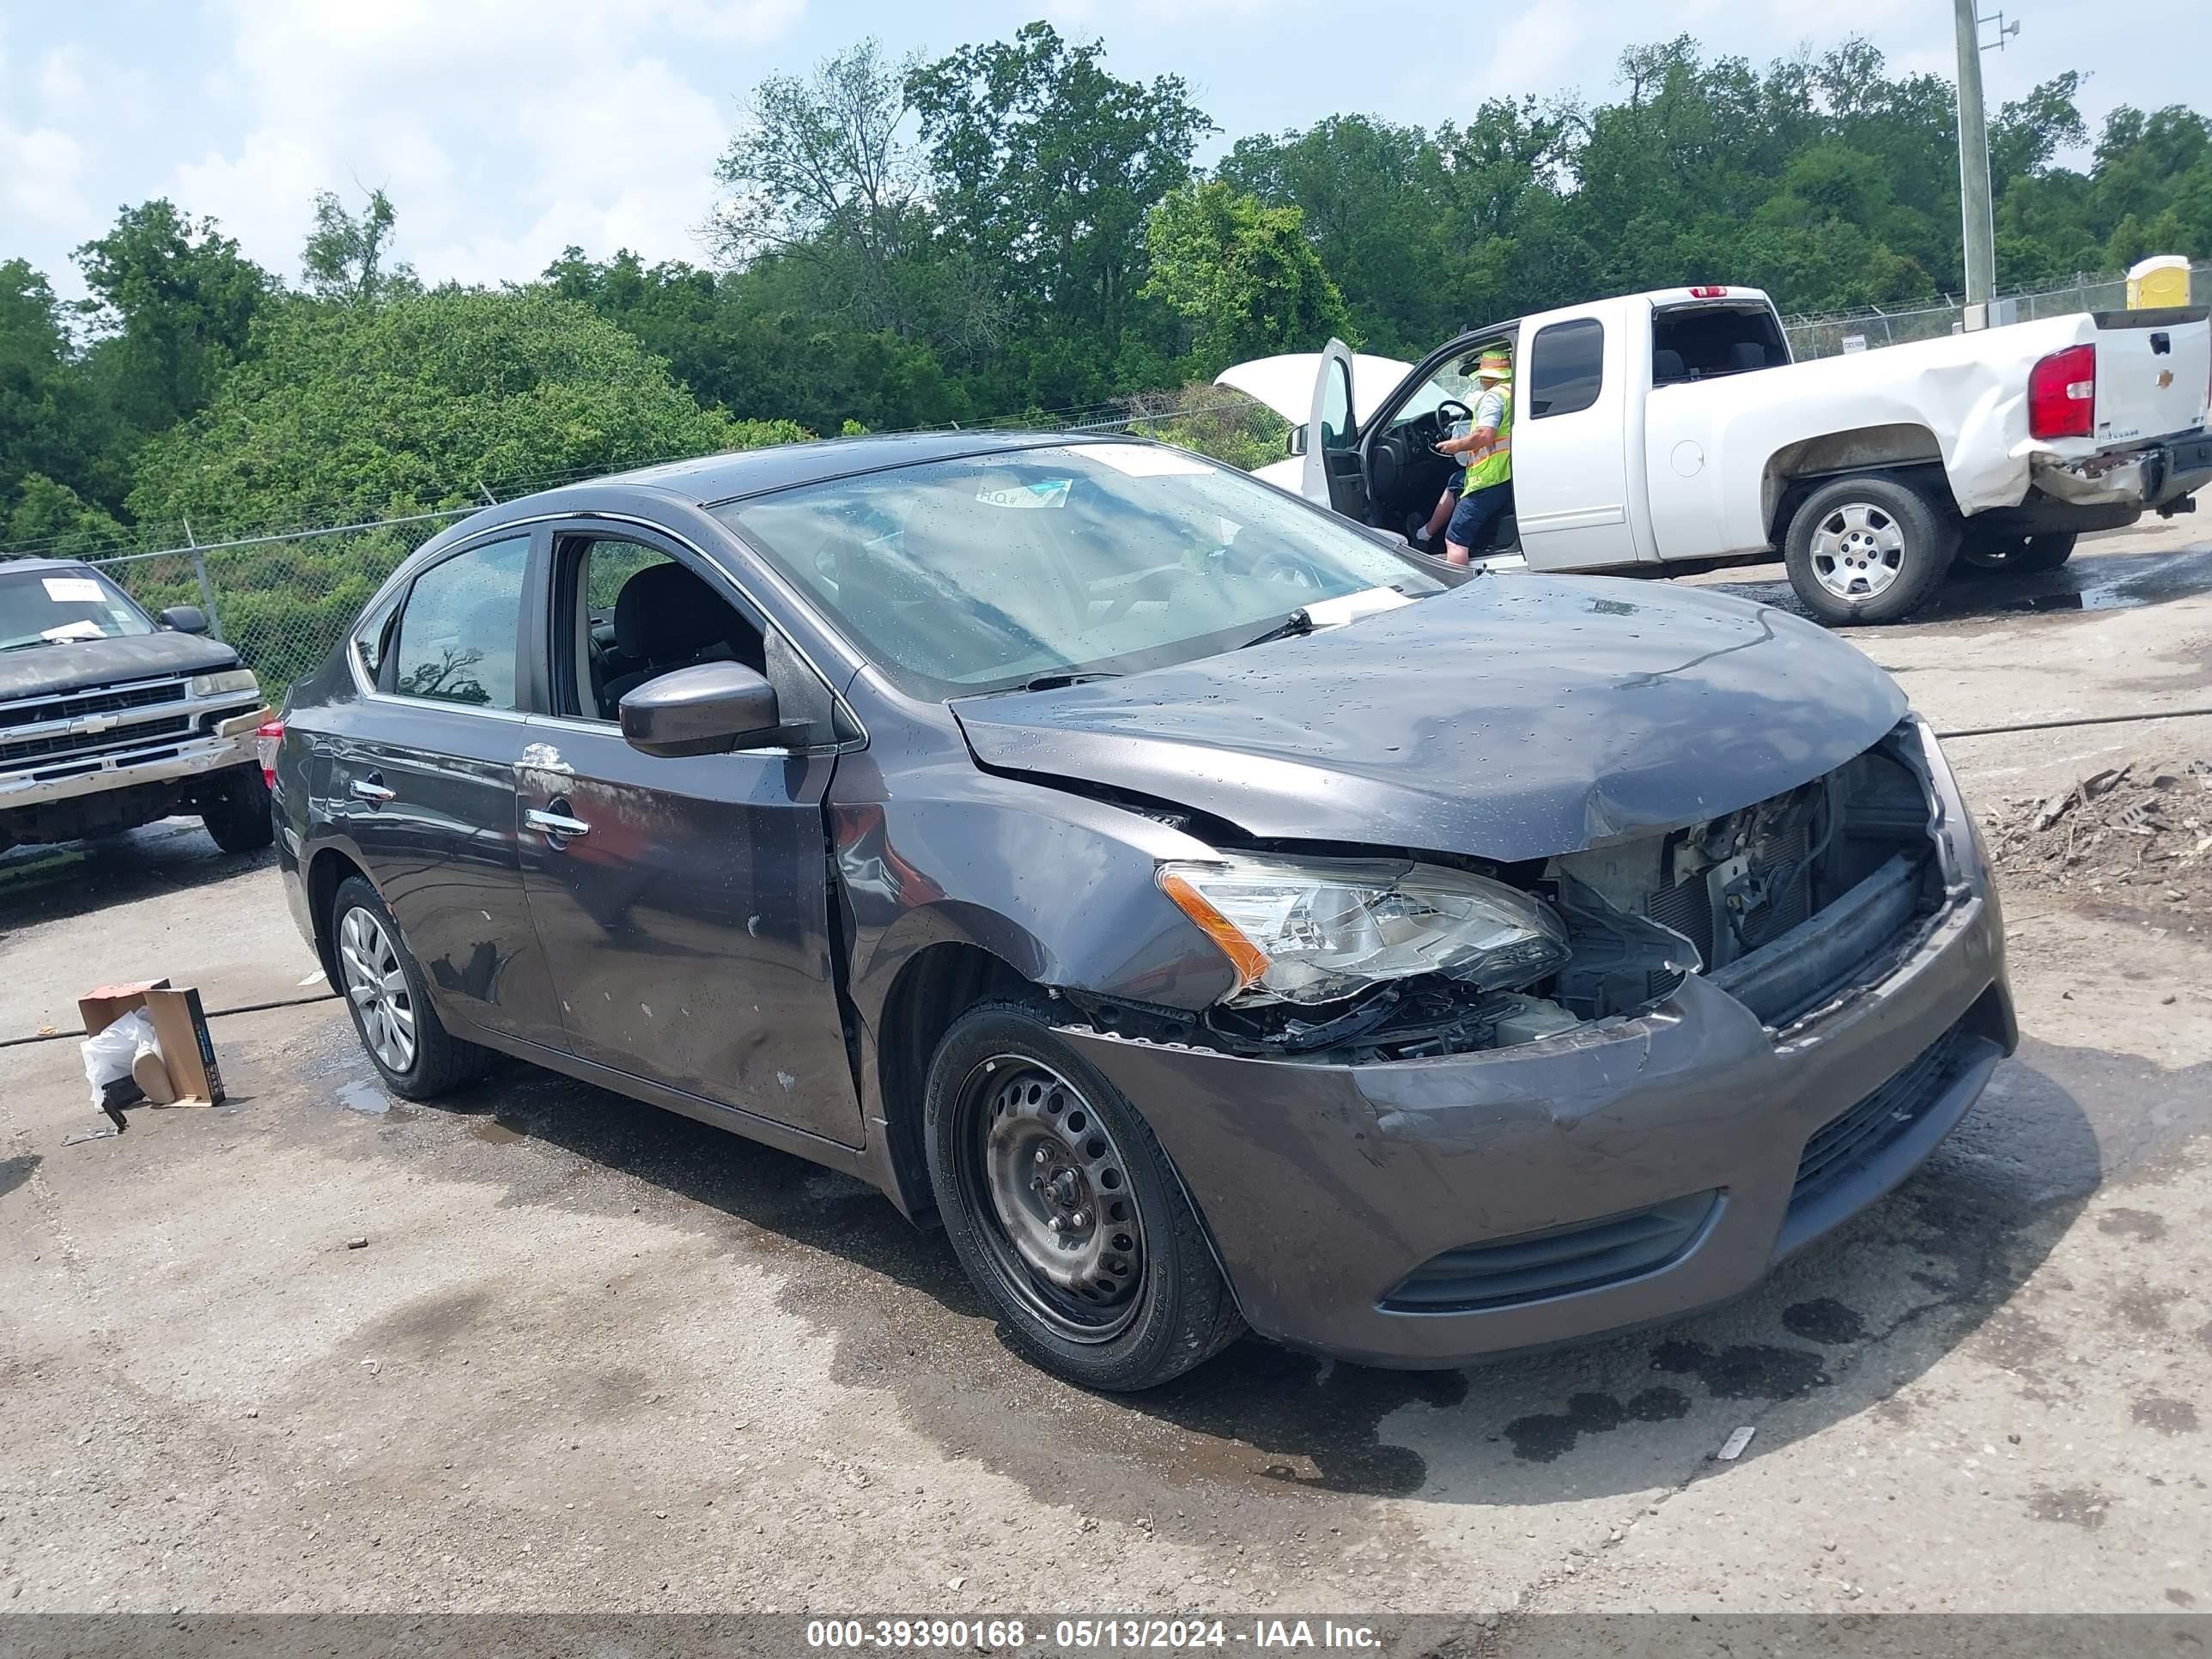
(1215, 915)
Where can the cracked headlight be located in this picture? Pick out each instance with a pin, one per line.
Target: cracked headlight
(227, 679)
(1319, 931)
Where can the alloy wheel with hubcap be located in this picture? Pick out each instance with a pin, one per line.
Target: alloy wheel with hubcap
(1857, 551)
(1870, 547)
(378, 989)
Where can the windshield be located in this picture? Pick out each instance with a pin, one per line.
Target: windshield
(59, 607)
(1453, 382)
(959, 577)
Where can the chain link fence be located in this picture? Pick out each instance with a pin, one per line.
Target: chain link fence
(282, 602)
(1872, 327)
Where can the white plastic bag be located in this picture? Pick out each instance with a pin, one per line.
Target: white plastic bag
(108, 1054)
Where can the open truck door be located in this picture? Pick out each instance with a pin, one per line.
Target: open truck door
(1292, 385)
(1333, 475)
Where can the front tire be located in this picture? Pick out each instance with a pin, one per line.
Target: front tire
(236, 812)
(384, 990)
(1868, 549)
(1063, 1209)
(2018, 555)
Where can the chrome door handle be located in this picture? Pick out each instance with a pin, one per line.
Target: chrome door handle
(554, 825)
(370, 789)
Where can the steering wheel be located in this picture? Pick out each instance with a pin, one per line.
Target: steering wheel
(1448, 410)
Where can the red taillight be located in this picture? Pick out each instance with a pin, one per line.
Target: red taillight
(266, 737)
(1709, 293)
(2061, 394)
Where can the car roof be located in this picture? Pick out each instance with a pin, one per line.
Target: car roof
(7, 565)
(713, 479)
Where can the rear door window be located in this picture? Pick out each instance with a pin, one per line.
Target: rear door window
(456, 641)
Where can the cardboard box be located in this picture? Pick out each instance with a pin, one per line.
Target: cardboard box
(180, 1026)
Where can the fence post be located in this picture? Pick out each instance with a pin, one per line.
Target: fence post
(207, 593)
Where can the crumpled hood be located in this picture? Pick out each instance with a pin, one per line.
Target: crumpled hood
(44, 670)
(1516, 717)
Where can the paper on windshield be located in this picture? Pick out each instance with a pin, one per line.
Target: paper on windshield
(70, 633)
(1051, 493)
(1144, 462)
(73, 589)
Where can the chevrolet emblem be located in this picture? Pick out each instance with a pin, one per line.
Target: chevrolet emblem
(91, 726)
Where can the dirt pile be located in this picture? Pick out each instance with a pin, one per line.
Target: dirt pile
(2141, 831)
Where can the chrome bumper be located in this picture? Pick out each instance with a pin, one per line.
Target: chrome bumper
(158, 761)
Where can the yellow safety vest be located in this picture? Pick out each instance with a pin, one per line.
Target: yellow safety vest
(1497, 467)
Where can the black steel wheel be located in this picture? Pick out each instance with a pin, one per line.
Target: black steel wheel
(1062, 1208)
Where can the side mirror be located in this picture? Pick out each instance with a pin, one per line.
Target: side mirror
(709, 709)
(1295, 443)
(185, 619)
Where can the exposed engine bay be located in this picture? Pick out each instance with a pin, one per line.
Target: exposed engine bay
(1784, 903)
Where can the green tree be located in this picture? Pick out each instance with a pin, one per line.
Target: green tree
(1243, 274)
(51, 519)
(419, 404)
(1046, 166)
(347, 256)
(175, 302)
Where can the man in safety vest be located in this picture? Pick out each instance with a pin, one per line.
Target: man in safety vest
(1487, 493)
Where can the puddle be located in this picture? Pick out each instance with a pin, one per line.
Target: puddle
(498, 1133)
(363, 1096)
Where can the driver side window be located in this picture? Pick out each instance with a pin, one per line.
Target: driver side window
(631, 614)
(1336, 407)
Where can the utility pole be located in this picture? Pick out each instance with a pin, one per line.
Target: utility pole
(1977, 218)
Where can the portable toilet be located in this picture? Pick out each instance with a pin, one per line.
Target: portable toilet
(2159, 281)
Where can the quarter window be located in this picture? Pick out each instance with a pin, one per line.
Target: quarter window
(1566, 368)
(456, 638)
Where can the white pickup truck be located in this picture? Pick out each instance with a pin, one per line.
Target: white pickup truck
(1668, 432)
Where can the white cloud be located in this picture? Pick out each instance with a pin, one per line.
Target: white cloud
(41, 172)
(502, 129)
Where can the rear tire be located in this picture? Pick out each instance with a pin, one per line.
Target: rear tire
(2018, 555)
(384, 989)
(236, 809)
(1868, 550)
(1023, 1133)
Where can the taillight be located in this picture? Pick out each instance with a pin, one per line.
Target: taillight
(2061, 394)
(266, 737)
(1709, 293)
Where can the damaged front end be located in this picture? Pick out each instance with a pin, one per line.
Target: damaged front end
(1789, 905)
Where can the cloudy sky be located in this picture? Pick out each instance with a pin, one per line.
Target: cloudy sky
(505, 129)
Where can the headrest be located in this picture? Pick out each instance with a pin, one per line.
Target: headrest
(1746, 353)
(665, 611)
(1666, 365)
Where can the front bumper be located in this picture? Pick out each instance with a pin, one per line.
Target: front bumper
(156, 760)
(1324, 1187)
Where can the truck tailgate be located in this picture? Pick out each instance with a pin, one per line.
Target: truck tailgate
(2154, 372)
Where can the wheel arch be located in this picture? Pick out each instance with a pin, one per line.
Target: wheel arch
(327, 869)
(932, 987)
(1904, 451)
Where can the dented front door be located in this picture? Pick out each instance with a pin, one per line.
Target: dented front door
(684, 909)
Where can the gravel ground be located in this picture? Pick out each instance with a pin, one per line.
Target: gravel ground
(593, 1356)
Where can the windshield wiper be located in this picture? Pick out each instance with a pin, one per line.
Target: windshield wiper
(1053, 682)
(25, 645)
(1300, 621)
